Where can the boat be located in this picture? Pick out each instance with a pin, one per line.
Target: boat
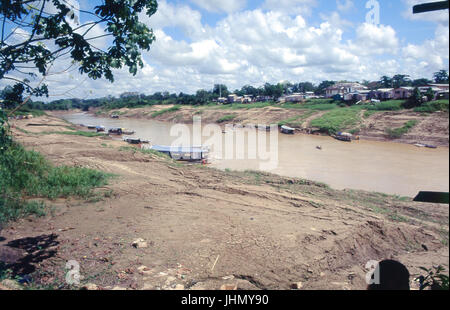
(114, 116)
(426, 145)
(91, 127)
(128, 132)
(115, 131)
(184, 153)
(287, 130)
(100, 129)
(430, 146)
(343, 136)
(135, 140)
(319, 147)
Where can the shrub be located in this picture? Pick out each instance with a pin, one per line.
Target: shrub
(226, 118)
(399, 132)
(337, 120)
(27, 174)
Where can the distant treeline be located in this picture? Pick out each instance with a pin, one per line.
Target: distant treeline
(202, 97)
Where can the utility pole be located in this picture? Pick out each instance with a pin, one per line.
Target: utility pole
(429, 7)
(432, 197)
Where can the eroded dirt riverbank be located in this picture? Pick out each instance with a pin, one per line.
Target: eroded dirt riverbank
(432, 128)
(202, 225)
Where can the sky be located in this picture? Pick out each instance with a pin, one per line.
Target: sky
(200, 43)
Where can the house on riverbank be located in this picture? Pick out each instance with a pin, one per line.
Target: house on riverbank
(343, 89)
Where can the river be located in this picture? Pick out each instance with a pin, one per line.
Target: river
(386, 167)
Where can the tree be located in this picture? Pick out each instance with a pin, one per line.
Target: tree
(421, 82)
(415, 100)
(12, 95)
(220, 90)
(51, 29)
(441, 77)
(386, 81)
(323, 86)
(400, 80)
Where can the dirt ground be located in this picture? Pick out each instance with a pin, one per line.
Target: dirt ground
(431, 128)
(205, 228)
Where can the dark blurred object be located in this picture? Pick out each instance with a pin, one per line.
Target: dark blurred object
(432, 6)
(432, 197)
(394, 276)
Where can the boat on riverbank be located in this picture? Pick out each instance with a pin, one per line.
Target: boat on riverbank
(135, 140)
(182, 153)
(343, 136)
(287, 130)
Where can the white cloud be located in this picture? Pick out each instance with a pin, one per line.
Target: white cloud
(291, 7)
(182, 16)
(375, 39)
(344, 5)
(270, 44)
(335, 20)
(227, 6)
(432, 55)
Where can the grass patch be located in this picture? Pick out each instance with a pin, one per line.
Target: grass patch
(369, 113)
(337, 120)
(296, 121)
(74, 133)
(433, 106)
(169, 110)
(25, 112)
(26, 176)
(226, 118)
(244, 106)
(390, 105)
(395, 133)
(144, 151)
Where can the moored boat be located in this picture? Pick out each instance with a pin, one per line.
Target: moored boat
(100, 129)
(343, 136)
(115, 131)
(287, 130)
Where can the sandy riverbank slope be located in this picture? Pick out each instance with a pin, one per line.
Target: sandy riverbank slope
(205, 228)
(431, 128)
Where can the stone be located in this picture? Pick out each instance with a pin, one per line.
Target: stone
(90, 287)
(118, 288)
(297, 285)
(197, 287)
(148, 287)
(179, 287)
(11, 284)
(139, 243)
(144, 270)
(228, 277)
(228, 287)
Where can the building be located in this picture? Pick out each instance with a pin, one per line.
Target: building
(264, 98)
(222, 100)
(361, 95)
(233, 98)
(440, 86)
(296, 97)
(382, 94)
(403, 92)
(344, 88)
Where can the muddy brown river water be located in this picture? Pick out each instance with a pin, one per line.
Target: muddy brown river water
(385, 167)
